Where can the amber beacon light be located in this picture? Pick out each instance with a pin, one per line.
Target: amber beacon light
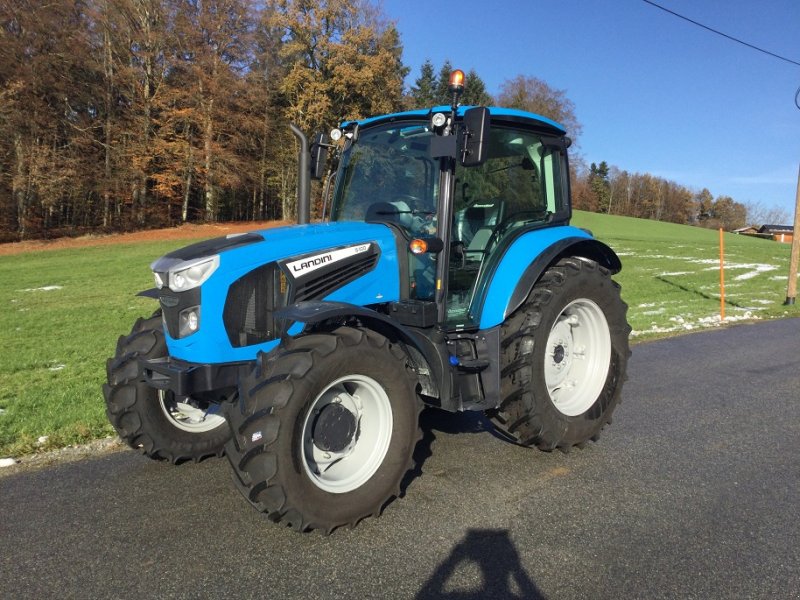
(457, 81)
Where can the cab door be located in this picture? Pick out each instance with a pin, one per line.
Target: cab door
(519, 187)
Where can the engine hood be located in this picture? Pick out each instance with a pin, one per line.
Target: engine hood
(351, 262)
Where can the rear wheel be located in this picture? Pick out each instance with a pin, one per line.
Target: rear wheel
(324, 429)
(162, 425)
(564, 355)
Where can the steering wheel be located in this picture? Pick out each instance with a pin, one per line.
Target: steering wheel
(420, 223)
(414, 203)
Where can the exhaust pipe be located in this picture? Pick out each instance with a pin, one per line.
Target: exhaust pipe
(303, 178)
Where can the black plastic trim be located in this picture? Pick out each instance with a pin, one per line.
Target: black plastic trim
(172, 303)
(186, 379)
(214, 246)
(151, 293)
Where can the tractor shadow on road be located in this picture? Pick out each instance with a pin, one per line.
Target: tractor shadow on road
(502, 575)
(431, 421)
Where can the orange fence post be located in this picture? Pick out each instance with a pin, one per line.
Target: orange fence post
(721, 275)
(794, 257)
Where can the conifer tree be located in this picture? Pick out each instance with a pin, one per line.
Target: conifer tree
(475, 93)
(423, 93)
(443, 95)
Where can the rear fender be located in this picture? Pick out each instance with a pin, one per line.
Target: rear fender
(516, 274)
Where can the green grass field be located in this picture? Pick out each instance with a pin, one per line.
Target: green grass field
(671, 280)
(64, 309)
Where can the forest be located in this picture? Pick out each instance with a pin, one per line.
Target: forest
(118, 115)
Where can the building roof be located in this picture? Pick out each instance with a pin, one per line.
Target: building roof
(776, 229)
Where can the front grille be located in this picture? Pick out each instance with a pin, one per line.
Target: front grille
(249, 307)
(252, 299)
(329, 281)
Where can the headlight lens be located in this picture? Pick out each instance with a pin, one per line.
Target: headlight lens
(188, 321)
(191, 276)
(159, 280)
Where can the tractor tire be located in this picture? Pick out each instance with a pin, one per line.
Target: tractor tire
(324, 429)
(162, 426)
(564, 354)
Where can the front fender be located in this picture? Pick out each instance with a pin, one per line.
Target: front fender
(434, 354)
(528, 258)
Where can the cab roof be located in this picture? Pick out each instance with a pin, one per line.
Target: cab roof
(511, 115)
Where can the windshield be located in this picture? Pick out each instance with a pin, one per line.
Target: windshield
(388, 175)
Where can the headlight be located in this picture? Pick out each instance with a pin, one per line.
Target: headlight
(159, 280)
(192, 275)
(188, 321)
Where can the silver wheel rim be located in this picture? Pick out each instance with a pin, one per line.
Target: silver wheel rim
(187, 417)
(577, 357)
(349, 468)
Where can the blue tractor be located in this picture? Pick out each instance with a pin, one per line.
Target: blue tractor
(444, 273)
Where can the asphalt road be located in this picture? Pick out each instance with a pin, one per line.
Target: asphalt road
(691, 493)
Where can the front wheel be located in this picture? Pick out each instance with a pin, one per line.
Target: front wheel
(163, 426)
(564, 354)
(324, 429)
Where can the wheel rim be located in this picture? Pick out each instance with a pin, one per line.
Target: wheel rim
(346, 434)
(577, 357)
(186, 416)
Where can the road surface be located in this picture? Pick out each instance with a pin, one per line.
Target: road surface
(691, 493)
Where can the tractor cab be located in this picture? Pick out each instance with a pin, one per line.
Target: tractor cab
(453, 216)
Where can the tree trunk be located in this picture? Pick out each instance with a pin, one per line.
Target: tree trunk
(108, 67)
(186, 194)
(18, 188)
(211, 205)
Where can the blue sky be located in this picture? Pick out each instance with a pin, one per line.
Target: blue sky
(653, 93)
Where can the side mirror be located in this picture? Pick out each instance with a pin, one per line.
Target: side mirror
(474, 137)
(319, 156)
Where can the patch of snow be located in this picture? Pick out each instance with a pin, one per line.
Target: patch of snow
(47, 288)
(647, 305)
(682, 323)
(717, 319)
(676, 273)
(757, 270)
(779, 278)
(666, 256)
(42, 440)
(56, 367)
(7, 462)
